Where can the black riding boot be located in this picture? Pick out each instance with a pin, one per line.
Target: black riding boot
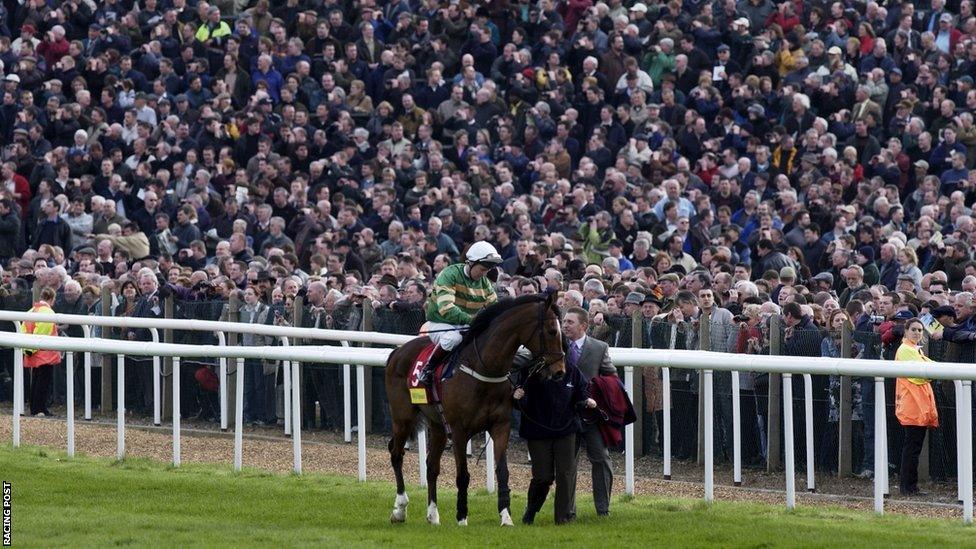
(427, 373)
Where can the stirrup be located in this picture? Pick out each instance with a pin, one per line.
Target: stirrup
(426, 375)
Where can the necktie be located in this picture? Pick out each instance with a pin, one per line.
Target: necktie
(574, 353)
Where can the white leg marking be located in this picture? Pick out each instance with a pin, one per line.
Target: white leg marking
(400, 508)
(433, 516)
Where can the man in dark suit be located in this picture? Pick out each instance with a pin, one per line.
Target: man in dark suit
(139, 390)
(592, 358)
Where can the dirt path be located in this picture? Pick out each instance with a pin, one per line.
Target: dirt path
(266, 448)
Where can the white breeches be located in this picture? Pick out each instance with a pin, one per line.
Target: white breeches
(447, 340)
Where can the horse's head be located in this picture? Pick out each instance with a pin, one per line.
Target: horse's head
(546, 341)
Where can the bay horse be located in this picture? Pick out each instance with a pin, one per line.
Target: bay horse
(477, 398)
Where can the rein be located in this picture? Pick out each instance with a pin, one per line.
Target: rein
(534, 367)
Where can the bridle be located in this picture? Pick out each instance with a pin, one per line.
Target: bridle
(544, 360)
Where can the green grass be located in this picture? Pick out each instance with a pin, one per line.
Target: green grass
(86, 502)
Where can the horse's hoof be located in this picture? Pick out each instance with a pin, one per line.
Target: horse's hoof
(463, 522)
(507, 518)
(433, 515)
(399, 509)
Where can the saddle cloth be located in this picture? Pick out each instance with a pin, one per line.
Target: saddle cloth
(428, 394)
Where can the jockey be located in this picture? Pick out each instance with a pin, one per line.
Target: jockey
(460, 291)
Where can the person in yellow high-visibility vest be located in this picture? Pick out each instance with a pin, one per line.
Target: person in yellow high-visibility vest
(914, 407)
(40, 362)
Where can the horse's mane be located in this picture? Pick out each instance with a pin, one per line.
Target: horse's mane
(489, 314)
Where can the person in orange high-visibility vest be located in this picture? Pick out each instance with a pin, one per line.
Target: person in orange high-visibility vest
(914, 407)
(39, 362)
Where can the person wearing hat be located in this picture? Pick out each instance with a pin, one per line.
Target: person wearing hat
(650, 308)
(822, 282)
(946, 35)
(906, 283)
(28, 34)
(865, 259)
(902, 116)
(951, 331)
(724, 65)
(632, 303)
(667, 288)
(213, 33)
(835, 64)
(459, 292)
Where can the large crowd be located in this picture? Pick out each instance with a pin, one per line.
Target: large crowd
(808, 160)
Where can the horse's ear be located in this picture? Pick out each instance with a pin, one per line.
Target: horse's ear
(551, 298)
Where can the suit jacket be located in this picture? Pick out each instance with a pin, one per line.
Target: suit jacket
(861, 110)
(595, 359)
(150, 306)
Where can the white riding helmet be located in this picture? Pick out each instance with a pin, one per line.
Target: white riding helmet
(483, 252)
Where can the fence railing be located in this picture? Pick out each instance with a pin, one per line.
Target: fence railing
(757, 431)
(220, 329)
(708, 363)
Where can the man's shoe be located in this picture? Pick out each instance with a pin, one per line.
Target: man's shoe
(528, 518)
(39, 414)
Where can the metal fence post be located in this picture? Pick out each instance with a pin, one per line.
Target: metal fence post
(704, 344)
(222, 373)
(106, 375)
(924, 475)
(629, 436)
(844, 440)
(307, 414)
(880, 445)
(233, 339)
(169, 305)
(367, 422)
(788, 446)
(637, 342)
(774, 427)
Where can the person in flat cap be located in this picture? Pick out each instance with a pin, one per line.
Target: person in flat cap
(633, 302)
(906, 283)
(951, 331)
(822, 282)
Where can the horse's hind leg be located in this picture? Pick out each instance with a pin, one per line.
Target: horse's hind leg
(401, 432)
(499, 436)
(463, 478)
(438, 441)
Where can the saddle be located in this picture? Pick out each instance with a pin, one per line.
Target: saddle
(424, 394)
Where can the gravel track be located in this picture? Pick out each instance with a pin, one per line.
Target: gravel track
(266, 448)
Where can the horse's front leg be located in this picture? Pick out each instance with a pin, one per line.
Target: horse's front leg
(438, 441)
(500, 435)
(463, 478)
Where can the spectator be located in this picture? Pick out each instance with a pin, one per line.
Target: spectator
(39, 362)
(259, 375)
(915, 408)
